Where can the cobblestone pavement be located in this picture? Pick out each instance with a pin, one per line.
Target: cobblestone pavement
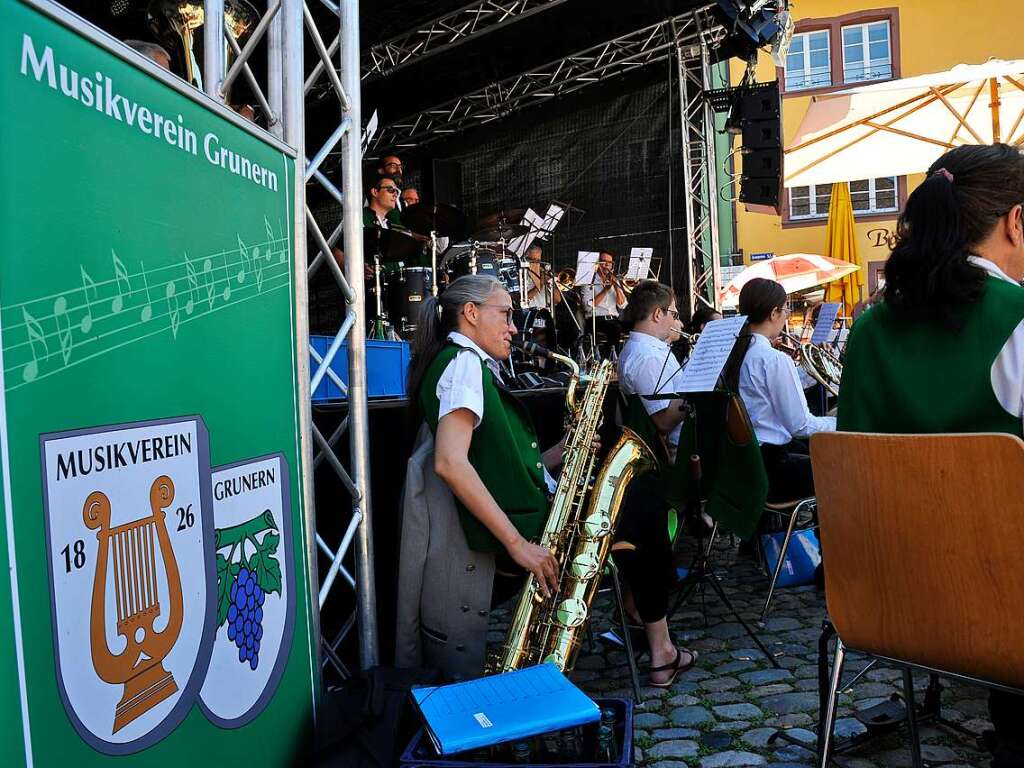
(722, 712)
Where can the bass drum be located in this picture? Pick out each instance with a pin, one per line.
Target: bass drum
(510, 275)
(469, 259)
(406, 291)
(537, 326)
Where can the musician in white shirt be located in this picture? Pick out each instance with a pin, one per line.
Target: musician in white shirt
(771, 391)
(603, 299)
(539, 284)
(647, 366)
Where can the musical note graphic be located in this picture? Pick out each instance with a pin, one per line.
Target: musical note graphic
(172, 305)
(208, 280)
(87, 283)
(122, 282)
(193, 286)
(147, 311)
(258, 267)
(244, 254)
(60, 314)
(35, 337)
(88, 318)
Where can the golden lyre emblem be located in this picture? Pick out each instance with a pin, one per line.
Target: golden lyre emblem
(129, 551)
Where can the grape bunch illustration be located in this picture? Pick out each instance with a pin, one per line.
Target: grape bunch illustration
(245, 617)
(246, 576)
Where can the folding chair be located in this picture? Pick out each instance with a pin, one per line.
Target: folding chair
(923, 550)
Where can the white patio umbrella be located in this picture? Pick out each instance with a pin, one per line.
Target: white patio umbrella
(903, 126)
(796, 272)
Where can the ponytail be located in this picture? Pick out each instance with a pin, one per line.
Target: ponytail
(439, 316)
(928, 277)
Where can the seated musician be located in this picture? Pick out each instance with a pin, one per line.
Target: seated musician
(647, 366)
(770, 388)
(952, 312)
(603, 299)
(485, 446)
(381, 203)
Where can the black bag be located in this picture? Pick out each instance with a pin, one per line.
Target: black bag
(368, 723)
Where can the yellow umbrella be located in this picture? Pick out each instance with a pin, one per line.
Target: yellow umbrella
(841, 244)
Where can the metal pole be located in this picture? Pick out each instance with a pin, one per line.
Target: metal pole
(711, 171)
(687, 174)
(213, 48)
(359, 446)
(294, 132)
(275, 62)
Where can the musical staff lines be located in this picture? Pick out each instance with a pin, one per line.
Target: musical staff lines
(48, 334)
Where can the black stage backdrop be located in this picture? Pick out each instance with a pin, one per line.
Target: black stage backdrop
(612, 152)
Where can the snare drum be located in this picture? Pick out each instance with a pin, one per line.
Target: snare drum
(470, 259)
(407, 289)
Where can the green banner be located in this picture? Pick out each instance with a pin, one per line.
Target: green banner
(154, 585)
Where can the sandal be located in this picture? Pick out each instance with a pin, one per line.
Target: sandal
(675, 667)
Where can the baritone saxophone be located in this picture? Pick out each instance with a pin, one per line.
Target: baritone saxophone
(579, 529)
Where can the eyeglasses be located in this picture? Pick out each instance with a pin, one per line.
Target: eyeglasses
(507, 310)
(675, 315)
(392, 165)
(389, 190)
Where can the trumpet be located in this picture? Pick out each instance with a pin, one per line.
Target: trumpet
(565, 280)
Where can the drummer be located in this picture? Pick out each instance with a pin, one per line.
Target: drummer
(382, 201)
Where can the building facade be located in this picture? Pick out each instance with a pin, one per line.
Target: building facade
(843, 43)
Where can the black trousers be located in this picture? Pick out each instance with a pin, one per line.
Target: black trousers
(648, 569)
(789, 471)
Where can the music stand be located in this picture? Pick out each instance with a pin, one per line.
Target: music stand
(701, 573)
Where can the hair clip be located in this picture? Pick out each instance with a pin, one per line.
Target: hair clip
(945, 173)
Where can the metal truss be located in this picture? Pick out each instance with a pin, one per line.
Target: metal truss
(558, 78)
(288, 87)
(692, 45)
(447, 32)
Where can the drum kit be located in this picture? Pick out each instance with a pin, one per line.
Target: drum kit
(436, 234)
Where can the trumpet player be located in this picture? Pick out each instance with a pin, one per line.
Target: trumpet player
(603, 299)
(540, 281)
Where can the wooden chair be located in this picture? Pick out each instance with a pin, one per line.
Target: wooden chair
(922, 536)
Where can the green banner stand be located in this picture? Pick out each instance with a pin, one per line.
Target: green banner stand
(155, 590)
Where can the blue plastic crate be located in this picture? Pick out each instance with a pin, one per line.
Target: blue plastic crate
(420, 752)
(387, 365)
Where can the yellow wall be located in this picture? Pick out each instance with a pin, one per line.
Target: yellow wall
(934, 36)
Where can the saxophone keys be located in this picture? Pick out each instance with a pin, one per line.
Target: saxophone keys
(586, 566)
(571, 613)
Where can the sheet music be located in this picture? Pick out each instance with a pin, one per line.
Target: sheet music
(586, 266)
(708, 358)
(104, 312)
(552, 217)
(533, 220)
(639, 263)
(826, 319)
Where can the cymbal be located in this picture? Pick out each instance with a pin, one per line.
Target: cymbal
(501, 219)
(394, 244)
(506, 233)
(444, 219)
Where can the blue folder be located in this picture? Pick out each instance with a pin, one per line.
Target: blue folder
(502, 708)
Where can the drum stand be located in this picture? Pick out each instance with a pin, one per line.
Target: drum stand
(433, 262)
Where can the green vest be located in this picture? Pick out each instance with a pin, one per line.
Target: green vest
(912, 377)
(503, 451)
